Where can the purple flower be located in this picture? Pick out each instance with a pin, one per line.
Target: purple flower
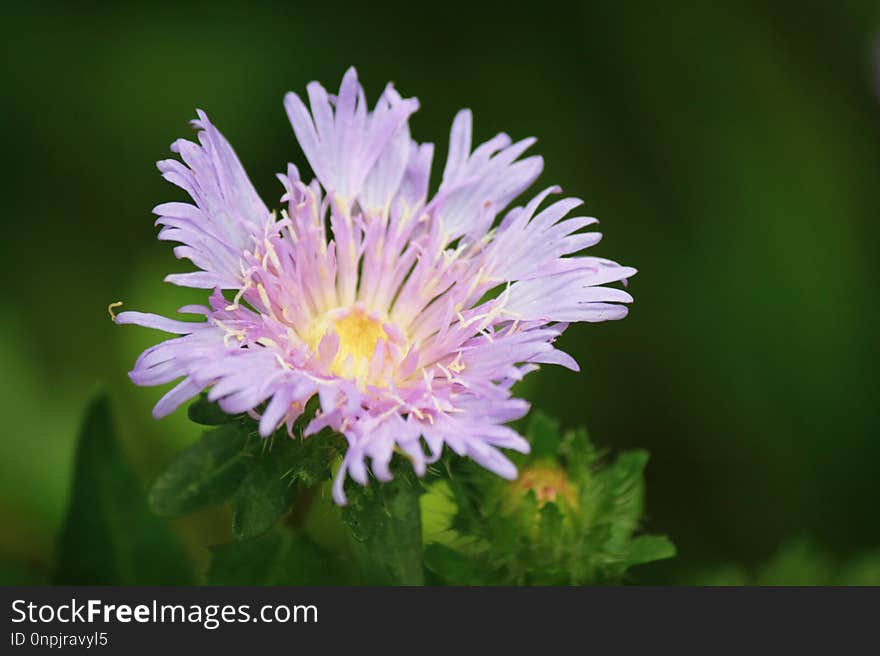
(410, 317)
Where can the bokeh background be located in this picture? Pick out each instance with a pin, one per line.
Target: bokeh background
(731, 149)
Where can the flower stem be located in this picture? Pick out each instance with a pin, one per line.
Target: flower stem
(305, 497)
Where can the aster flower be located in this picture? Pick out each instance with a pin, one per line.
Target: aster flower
(409, 315)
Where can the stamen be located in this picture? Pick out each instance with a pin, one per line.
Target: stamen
(235, 301)
(457, 365)
(445, 371)
(264, 297)
(110, 309)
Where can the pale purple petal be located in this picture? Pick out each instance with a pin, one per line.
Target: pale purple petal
(227, 213)
(343, 146)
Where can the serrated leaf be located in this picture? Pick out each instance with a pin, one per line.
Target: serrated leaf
(110, 537)
(622, 488)
(204, 412)
(280, 557)
(207, 472)
(273, 476)
(266, 492)
(385, 522)
(309, 459)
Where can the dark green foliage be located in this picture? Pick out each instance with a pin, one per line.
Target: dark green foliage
(386, 528)
(450, 567)
(202, 411)
(261, 477)
(207, 472)
(273, 477)
(281, 556)
(503, 532)
(265, 494)
(110, 537)
(569, 519)
(264, 480)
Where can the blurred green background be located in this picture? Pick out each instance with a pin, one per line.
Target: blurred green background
(731, 149)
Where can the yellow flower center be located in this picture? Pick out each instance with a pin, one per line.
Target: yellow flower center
(359, 332)
(358, 335)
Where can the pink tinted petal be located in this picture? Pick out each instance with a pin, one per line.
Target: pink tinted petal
(181, 393)
(158, 322)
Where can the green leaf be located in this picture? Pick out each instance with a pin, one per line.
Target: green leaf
(280, 557)
(265, 494)
(207, 472)
(110, 537)
(202, 411)
(578, 454)
(550, 525)
(621, 487)
(452, 566)
(438, 511)
(648, 548)
(385, 523)
(273, 477)
(543, 434)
